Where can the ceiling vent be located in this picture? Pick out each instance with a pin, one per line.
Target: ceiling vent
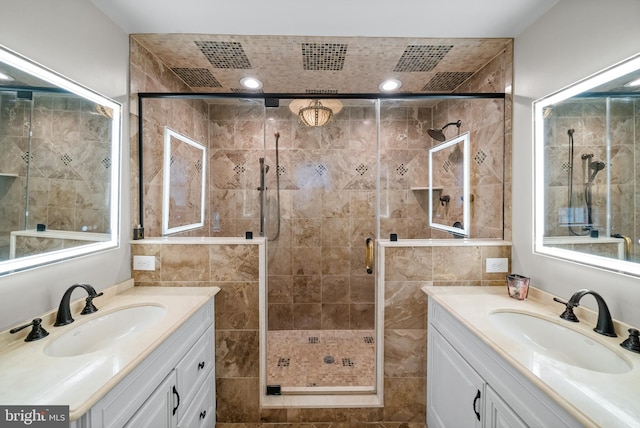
(323, 56)
(446, 82)
(421, 57)
(197, 77)
(225, 54)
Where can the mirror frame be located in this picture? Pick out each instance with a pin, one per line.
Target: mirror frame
(15, 265)
(621, 266)
(166, 182)
(466, 187)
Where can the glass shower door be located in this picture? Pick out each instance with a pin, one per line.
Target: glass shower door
(320, 210)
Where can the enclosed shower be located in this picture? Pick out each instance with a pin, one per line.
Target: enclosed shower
(317, 194)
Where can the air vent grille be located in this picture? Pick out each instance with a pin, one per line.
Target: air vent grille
(225, 54)
(421, 57)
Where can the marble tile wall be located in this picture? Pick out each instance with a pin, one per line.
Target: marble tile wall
(234, 268)
(67, 162)
(489, 123)
(588, 118)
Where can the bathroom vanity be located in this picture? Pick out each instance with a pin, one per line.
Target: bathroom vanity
(145, 359)
(492, 362)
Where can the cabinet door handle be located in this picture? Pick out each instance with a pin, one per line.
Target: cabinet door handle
(475, 400)
(203, 414)
(175, 392)
(201, 365)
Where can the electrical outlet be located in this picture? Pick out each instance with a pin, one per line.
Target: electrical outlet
(497, 265)
(144, 263)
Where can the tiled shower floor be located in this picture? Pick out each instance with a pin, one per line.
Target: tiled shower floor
(321, 358)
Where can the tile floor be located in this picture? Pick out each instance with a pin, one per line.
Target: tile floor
(321, 358)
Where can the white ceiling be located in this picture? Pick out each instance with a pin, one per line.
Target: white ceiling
(363, 18)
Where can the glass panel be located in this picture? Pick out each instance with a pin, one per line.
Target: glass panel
(320, 209)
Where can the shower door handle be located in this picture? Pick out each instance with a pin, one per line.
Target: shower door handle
(368, 256)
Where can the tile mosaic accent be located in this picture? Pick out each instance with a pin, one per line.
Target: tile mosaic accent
(421, 57)
(446, 81)
(323, 56)
(332, 358)
(197, 77)
(480, 157)
(225, 54)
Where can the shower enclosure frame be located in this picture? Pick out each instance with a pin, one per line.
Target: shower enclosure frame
(311, 399)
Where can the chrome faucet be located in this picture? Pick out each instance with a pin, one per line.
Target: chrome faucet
(604, 325)
(64, 310)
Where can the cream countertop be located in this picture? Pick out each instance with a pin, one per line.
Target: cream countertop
(29, 377)
(593, 398)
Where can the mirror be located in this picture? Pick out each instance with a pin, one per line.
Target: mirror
(449, 186)
(587, 141)
(59, 167)
(183, 188)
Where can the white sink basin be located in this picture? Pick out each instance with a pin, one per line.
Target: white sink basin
(106, 330)
(558, 342)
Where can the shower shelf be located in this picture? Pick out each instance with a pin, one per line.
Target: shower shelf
(2, 174)
(426, 188)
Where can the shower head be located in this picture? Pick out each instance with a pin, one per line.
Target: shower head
(596, 167)
(438, 134)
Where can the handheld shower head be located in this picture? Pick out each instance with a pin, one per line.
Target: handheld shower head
(596, 167)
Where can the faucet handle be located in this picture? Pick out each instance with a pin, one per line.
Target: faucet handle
(37, 332)
(633, 342)
(89, 307)
(568, 312)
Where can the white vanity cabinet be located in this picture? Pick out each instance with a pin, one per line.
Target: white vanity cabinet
(471, 385)
(173, 387)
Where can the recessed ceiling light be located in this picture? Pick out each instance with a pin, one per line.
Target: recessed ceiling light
(390, 85)
(633, 83)
(251, 83)
(6, 77)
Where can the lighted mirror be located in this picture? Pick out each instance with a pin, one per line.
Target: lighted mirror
(449, 186)
(183, 189)
(59, 166)
(587, 149)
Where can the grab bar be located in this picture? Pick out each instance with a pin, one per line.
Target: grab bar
(368, 256)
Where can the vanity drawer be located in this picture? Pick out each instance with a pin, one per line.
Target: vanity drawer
(193, 369)
(201, 413)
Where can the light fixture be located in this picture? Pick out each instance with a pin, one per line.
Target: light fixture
(390, 85)
(251, 83)
(633, 83)
(315, 112)
(6, 77)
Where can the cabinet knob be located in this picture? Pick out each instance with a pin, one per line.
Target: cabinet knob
(201, 365)
(203, 414)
